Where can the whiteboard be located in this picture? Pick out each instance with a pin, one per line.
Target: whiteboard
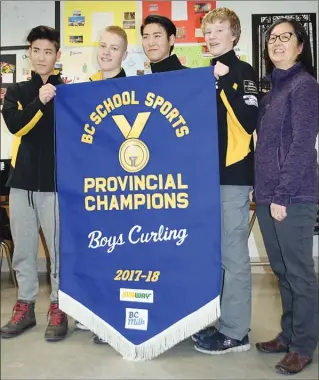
(19, 17)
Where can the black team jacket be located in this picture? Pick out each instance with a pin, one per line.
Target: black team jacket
(237, 110)
(32, 124)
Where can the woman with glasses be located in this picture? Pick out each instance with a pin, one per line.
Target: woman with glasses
(286, 189)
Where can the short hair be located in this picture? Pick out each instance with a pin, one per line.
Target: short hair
(305, 57)
(164, 22)
(119, 32)
(43, 32)
(224, 14)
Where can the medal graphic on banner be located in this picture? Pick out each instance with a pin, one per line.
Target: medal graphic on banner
(134, 154)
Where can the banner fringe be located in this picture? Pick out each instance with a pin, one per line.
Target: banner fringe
(155, 346)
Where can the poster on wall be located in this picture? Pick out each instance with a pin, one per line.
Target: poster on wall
(191, 56)
(186, 15)
(83, 21)
(190, 30)
(163, 8)
(8, 73)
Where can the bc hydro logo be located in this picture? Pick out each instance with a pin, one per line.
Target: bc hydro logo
(136, 319)
(137, 295)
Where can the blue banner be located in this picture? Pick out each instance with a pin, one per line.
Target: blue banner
(138, 187)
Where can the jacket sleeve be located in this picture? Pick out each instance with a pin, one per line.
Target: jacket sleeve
(20, 120)
(241, 96)
(304, 121)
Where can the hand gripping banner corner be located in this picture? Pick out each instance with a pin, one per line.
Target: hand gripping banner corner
(139, 203)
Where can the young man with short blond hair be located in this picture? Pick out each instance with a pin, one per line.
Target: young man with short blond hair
(111, 53)
(237, 109)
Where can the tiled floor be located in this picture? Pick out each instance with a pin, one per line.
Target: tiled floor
(77, 357)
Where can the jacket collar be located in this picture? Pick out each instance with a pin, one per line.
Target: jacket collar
(54, 78)
(279, 76)
(99, 75)
(170, 63)
(227, 58)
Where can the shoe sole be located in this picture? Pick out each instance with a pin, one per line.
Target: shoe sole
(283, 371)
(53, 340)
(12, 335)
(243, 348)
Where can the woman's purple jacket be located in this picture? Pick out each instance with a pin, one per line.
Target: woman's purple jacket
(286, 166)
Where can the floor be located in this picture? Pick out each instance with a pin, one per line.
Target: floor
(77, 357)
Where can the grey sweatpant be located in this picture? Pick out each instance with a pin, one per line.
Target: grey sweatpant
(236, 292)
(29, 211)
(289, 246)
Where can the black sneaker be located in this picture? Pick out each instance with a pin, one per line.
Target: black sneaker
(202, 334)
(23, 318)
(57, 328)
(219, 343)
(97, 340)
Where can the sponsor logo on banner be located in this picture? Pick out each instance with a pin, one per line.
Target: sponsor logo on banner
(137, 295)
(136, 319)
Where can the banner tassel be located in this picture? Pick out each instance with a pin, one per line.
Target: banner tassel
(155, 346)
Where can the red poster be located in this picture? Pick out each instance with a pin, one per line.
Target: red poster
(187, 30)
(163, 8)
(190, 30)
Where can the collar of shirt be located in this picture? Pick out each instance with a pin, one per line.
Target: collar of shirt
(227, 58)
(168, 64)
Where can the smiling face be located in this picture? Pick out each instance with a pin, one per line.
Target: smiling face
(43, 56)
(284, 50)
(156, 43)
(111, 52)
(219, 37)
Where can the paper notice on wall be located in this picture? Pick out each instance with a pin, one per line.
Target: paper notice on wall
(99, 22)
(78, 64)
(135, 61)
(179, 10)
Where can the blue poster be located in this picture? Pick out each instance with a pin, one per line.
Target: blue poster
(138, 190)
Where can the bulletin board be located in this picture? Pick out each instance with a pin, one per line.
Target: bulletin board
(84, 20)
(186, 15)
(19, 17)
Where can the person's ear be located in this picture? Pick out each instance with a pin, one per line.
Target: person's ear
(58, 55)
(300, 48)
(172, 40)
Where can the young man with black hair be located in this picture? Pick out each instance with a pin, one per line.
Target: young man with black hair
(28, 111)
(158, 39)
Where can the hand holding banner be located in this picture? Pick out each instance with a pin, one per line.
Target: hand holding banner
(138, 184)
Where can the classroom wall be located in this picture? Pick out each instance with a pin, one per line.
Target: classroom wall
(72, 55)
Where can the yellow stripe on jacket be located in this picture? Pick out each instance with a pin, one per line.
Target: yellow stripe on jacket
(238, 144)
(97, 76)
(17, 136)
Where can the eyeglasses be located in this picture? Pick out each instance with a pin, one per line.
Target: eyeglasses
(284, 37)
